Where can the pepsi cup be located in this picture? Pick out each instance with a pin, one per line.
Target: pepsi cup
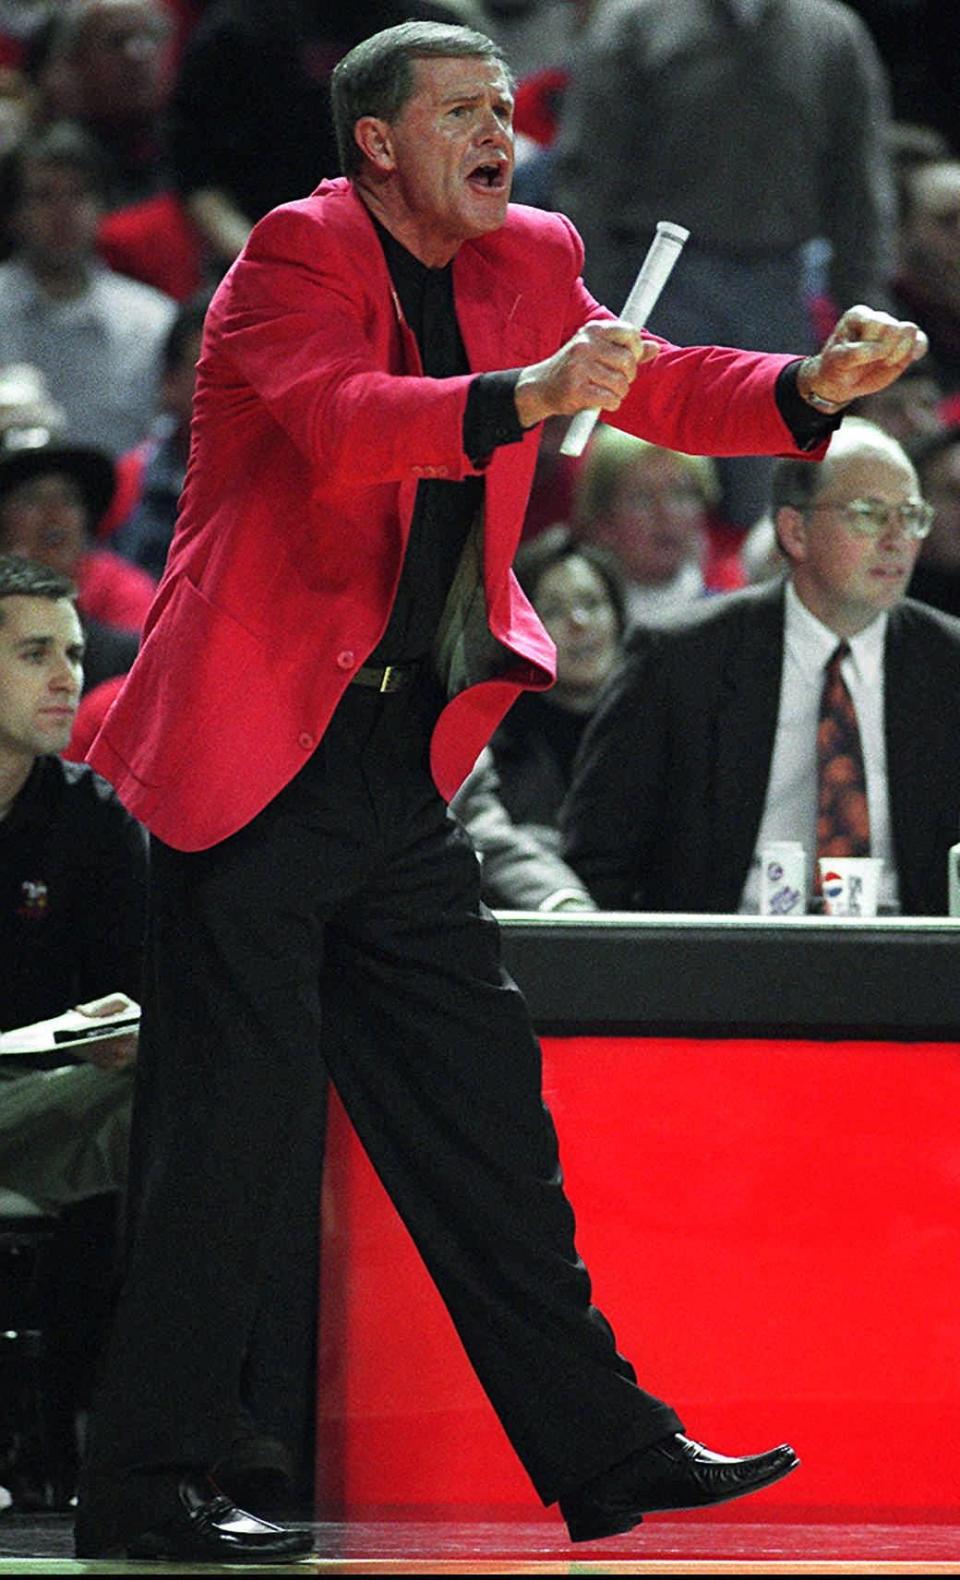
(850, 885)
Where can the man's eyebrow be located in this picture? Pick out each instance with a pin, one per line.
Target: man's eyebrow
(473, 98)
(46, 642)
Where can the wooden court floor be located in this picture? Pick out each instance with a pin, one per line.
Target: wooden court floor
(394, 1544)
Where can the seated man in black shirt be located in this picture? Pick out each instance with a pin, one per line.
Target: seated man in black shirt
(73, 869)
(71, 905)
(72, 882)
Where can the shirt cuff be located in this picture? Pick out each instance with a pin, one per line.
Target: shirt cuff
(490, 418)
(808, 426)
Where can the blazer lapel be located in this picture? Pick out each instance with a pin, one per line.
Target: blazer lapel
(496, 317)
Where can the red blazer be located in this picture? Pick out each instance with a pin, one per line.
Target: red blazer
(313, 424)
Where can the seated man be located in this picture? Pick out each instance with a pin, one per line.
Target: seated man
(73, 866)
(706, 746)
(71, 923)
(653, 509)
(95, 335)
(72, 883)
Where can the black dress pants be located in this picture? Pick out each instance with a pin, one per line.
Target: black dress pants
(341, 934)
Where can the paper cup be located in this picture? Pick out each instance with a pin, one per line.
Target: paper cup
(850, 885)
(783, 879)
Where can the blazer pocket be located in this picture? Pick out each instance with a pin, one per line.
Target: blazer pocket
(524, 343)
(195, 677)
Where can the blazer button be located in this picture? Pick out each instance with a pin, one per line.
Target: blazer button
(347, 659)
(306, 741)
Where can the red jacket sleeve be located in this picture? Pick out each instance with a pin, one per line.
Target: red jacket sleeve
(703, 400)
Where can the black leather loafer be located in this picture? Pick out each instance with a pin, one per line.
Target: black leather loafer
(206, 1528)
(675, 1473)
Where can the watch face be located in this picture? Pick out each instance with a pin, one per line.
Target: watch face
(821, 404)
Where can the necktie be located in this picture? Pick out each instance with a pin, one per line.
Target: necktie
(843, 818)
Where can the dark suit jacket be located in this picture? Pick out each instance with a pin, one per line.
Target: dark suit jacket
(672, 775)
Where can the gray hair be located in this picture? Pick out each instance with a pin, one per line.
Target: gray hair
(376, 77)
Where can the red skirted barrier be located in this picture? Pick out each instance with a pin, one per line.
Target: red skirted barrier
(773, 1229)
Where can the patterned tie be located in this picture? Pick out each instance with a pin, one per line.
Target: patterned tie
(843, 818)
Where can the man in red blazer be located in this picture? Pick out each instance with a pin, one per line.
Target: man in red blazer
(336, 636)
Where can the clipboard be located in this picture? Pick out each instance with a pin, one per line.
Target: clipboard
(73, 1029)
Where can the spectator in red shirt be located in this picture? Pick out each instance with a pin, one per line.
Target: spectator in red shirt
(51, 497)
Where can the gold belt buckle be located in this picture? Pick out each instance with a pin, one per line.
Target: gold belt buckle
(386, 683)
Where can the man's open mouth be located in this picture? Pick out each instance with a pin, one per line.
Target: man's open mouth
(491, 178)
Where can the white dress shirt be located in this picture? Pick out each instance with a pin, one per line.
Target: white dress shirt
(790, 811)
(657, 604)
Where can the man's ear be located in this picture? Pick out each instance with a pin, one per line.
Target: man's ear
(373, 138)
(790, 526)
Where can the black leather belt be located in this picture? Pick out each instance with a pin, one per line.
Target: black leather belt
(386, 677)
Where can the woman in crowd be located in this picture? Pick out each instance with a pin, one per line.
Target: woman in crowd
(511, 803)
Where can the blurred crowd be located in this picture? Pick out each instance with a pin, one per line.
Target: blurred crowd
(812, 148)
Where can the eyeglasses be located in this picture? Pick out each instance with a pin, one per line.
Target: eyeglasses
(873, 518)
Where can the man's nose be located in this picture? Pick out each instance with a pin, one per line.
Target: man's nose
(64, 677)
(894, 534)
(490, 128)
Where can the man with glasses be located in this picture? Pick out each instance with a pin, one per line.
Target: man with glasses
(706, 748)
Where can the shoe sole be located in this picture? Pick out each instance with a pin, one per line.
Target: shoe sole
(162, 1551)
(581, 1531)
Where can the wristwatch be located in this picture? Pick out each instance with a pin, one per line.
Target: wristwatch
(828, 407)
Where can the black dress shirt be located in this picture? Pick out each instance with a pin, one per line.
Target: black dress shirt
(443, 511)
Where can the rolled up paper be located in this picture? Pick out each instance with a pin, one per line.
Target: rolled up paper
(653, 274)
